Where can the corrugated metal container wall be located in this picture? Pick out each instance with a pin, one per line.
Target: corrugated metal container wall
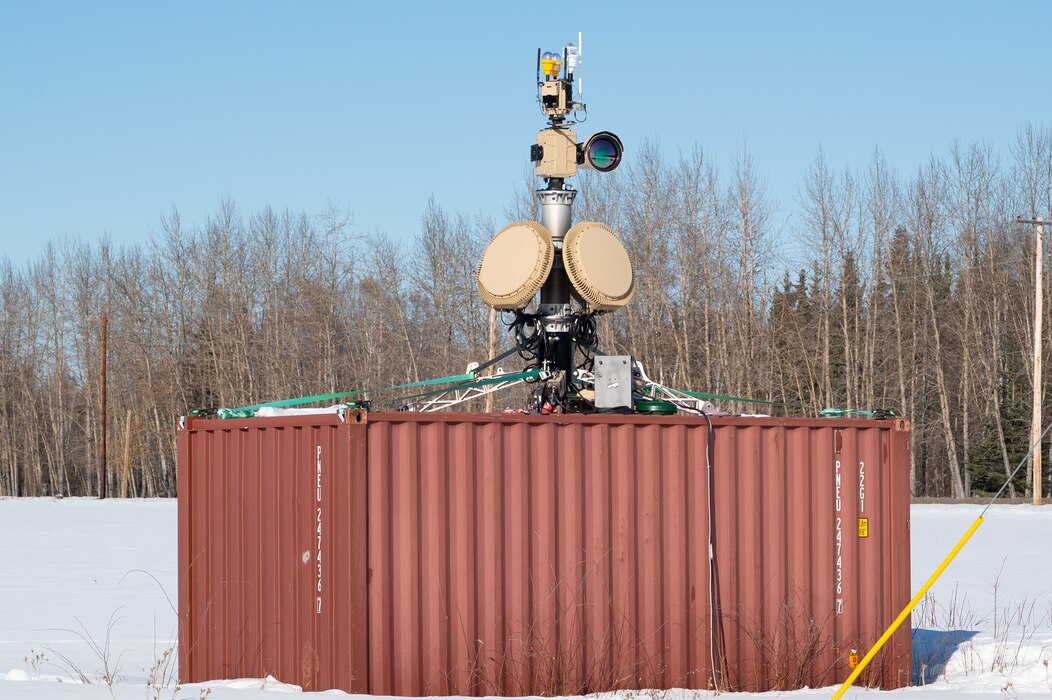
(265, 535)
(416, 554)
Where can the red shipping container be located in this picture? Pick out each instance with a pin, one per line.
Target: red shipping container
(484, 554)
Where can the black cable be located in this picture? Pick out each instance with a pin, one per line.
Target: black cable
(495, 360)
(586, 338)
(529, 338)
(622, 410)
(584, 331)
(715, 626)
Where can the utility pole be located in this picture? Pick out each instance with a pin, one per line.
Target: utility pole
(102, 409)
(1035, 421)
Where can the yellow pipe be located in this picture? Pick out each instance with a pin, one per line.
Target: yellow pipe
(908, 609)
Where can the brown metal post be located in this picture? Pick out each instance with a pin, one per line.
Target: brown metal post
(102, 410)
(492, 353)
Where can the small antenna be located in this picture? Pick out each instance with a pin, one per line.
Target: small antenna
(580, 69)
(538, 65)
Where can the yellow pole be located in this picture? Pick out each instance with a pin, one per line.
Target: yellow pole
(909, 608)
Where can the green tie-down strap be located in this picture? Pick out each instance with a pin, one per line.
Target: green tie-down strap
(469, 380)
(879, 413)
(483, 381)
(724, 397)
(249, 411)
(234, 413)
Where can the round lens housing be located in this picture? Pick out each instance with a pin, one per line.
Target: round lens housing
(602, 152)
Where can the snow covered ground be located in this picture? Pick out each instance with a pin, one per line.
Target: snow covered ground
(87, 590)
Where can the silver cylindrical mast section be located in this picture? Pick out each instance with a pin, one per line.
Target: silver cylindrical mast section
(555, 309)
(556, 216)
(555, 212)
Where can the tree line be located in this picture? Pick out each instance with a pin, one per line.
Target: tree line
(907, 291)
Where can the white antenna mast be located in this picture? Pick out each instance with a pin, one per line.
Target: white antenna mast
(580, 69)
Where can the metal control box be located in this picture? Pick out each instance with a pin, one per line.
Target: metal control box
(613, 381)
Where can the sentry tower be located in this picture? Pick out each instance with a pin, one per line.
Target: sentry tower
(580, 270)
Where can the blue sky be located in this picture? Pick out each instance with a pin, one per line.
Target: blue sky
(111, 113)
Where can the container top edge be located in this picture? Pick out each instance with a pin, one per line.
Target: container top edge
(329, 419)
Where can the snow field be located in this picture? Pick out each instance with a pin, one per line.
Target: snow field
(87, 596)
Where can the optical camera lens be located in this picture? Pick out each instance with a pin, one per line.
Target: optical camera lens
(603, 152)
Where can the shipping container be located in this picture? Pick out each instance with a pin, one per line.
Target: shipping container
(487, 554)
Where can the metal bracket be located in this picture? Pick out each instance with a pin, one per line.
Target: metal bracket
(455, 397)
(681, 400)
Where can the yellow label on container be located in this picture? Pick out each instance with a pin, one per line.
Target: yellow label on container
(852, 658)
(863, 527)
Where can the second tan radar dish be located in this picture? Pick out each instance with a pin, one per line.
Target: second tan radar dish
(515, 265)
(598, 266)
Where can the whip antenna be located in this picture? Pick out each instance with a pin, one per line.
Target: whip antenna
(580, 71)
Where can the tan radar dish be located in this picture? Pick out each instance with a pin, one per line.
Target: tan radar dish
(598, 266)
(515, 265)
